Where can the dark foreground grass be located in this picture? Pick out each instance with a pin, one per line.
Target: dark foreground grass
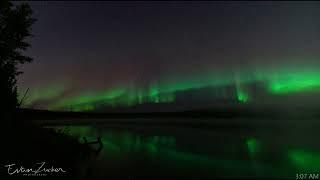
(25, 144)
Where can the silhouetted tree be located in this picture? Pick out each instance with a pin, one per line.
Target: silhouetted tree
(15, 27)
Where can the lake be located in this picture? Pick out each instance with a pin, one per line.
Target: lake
(219, 148)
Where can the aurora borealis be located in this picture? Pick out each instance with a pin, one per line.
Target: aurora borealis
(277, 85)
(121, 54)
(212, 89)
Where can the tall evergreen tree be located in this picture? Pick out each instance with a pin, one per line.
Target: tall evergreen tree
(15, 28)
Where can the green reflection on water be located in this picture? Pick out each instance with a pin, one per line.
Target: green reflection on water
(305, 159)
(122, 141)
(123, 145)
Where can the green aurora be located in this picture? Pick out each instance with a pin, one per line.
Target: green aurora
(253, 146)
(276, 82)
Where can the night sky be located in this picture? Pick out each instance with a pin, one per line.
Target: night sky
(85, 52)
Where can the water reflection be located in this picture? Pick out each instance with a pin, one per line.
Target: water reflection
(305, 160)
(193, 153)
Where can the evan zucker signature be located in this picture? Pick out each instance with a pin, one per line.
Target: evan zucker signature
(40, 170)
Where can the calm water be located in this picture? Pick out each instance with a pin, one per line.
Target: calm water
(278, 151)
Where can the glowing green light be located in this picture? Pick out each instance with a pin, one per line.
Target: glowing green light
(242, 96)
(87, 101)
(294, 82)
(305, 160)
(113, 97)
(275, 81)
(253, 146)
(140, 97)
